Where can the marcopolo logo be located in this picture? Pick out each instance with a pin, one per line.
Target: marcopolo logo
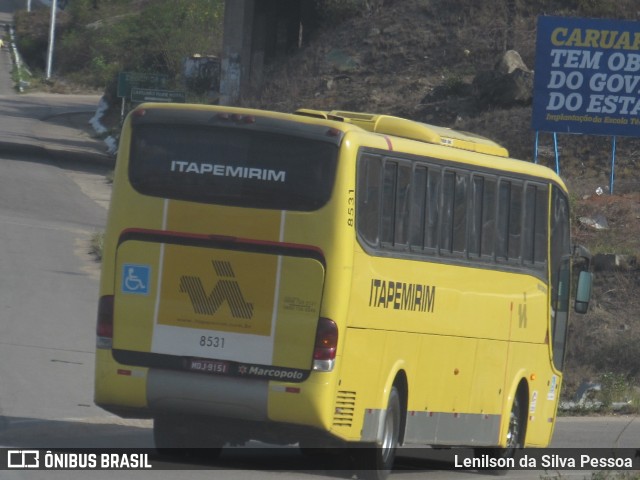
(271, 372)
(226, 290)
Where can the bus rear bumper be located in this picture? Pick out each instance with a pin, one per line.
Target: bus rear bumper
(304, 410)
(309, 403)
(207, 395)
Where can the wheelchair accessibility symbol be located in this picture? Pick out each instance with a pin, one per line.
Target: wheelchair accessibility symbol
(135, 279)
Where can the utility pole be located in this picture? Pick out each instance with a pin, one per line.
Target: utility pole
(28, 5)
(52, 31)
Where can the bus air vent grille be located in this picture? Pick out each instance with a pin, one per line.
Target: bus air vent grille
(345, 407)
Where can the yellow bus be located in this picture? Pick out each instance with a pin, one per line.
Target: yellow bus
(332, 278)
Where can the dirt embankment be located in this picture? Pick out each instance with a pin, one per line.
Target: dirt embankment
(418, 59)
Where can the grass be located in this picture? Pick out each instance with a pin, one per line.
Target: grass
(97, 245)
(21, 75)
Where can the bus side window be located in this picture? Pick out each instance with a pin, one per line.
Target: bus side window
(403, 206)
(535, 226)
(446, 212)
(515, 222)
(389, 199)
(368, 196)
(489, 210)
(460, 213)
(542, 203)
(432, 209)
(476, 210)
(529, 222)
(418, 207)
(502, 225)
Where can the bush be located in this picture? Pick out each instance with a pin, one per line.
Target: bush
(98, 39)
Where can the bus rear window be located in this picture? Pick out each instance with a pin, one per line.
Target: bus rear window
(234, 167)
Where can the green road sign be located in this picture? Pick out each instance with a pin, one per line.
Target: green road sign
(128, 80)
(140, 95)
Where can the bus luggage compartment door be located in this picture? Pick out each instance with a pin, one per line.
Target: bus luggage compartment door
(179, 306)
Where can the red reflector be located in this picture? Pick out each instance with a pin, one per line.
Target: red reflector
(326, 340)
(292, 390)
(126, 373)
(333, 132)
(248, 119)
(105, 317)
(139, 112)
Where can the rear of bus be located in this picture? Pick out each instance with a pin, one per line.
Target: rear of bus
(222, 257)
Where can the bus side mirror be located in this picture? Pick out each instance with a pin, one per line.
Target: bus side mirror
(583, 292)
(585, 279)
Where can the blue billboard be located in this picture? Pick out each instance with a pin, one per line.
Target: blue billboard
(587, 76)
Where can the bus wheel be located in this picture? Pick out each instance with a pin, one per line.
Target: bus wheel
(181, 437)
(515, 433)
(374, 462)
(517, 423)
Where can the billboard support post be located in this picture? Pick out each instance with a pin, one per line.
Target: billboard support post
(556, 151)
(613, 163)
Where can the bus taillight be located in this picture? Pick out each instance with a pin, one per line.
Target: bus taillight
(324, 353)
(104, 330)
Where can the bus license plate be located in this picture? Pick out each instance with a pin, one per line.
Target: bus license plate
(208, 366)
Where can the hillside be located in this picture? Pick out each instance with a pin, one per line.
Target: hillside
(417, 59)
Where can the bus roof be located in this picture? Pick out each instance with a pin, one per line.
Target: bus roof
(401, 127)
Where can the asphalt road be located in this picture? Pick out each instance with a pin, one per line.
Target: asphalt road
(47, 294)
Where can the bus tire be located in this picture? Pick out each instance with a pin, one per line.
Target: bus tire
(374, 462)
(515, 433)
(181, 437)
